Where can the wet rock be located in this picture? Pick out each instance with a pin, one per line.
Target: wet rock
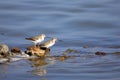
(62, 58)
(116, 53)
(3, 60)
(100, 53)
(15, 50)
(37, 51)
(70, 51)
(4, 50)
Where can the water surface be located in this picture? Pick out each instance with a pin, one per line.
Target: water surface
(77, 23)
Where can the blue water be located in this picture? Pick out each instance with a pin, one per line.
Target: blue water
(77, 23)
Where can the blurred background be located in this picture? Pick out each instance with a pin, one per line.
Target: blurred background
(76, 22)
(83, 25)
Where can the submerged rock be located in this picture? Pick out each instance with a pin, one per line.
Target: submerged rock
(4, 50)
(100, 53)
(63, 57)
(70, 51)
(116, 53)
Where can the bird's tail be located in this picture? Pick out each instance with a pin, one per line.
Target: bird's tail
(29, 38)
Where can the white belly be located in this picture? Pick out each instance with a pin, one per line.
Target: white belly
(49, 45)
(38, 41)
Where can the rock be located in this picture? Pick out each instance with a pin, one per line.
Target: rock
(116, 53)
(100, 53)
(70, 51)
(3, 60)
(37, 51)
(63, 57)
(15, 50)
(4, 50)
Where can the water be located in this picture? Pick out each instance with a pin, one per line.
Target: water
(77, 23)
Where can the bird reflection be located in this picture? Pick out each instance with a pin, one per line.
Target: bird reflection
(41, 62)
(38, 64)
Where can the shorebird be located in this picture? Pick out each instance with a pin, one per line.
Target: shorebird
(37, 39)
(49, 43)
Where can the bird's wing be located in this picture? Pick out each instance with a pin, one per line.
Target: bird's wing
(32, 38)
(45, 43)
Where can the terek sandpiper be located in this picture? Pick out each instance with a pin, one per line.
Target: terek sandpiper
(49, 43)
(37, 39)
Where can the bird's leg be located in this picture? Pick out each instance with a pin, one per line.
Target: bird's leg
(35, 45)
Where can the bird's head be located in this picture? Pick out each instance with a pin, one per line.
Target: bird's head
(43, 35)
(55, 38)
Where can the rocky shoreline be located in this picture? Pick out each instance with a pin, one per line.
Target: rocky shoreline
(7, 54)
(14, 54)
